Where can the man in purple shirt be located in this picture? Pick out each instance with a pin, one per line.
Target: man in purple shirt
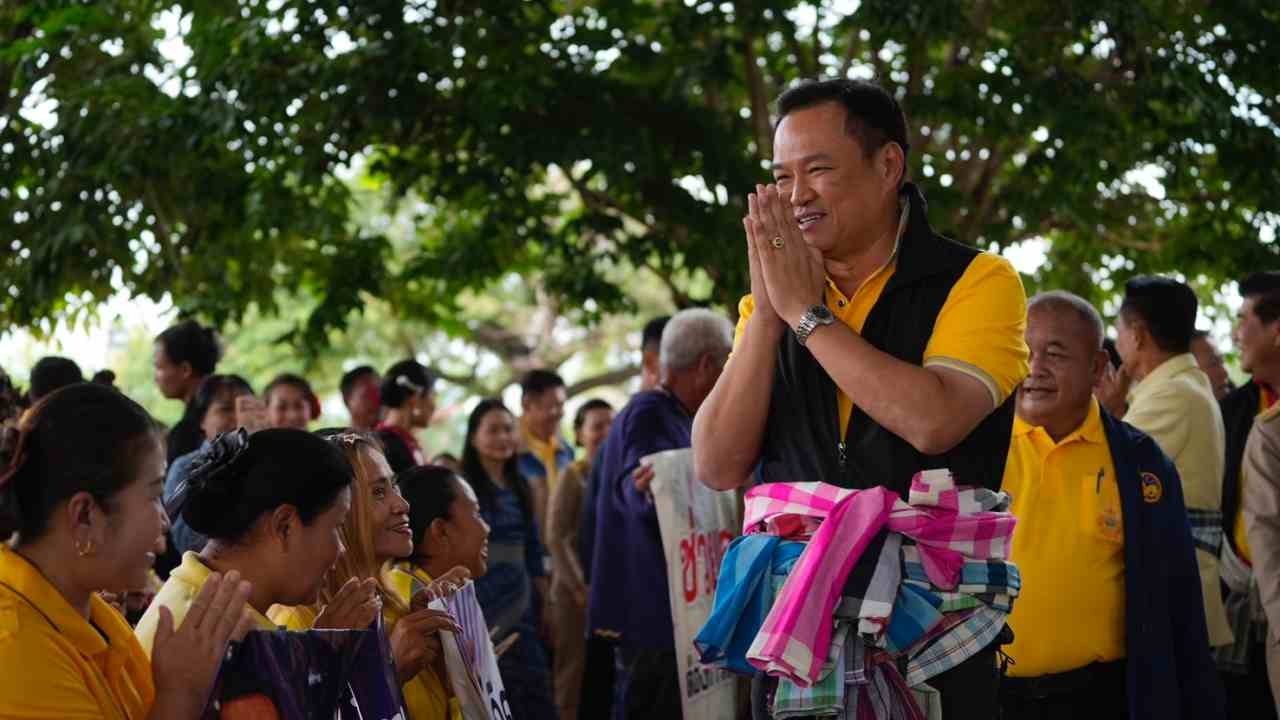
(629, 595)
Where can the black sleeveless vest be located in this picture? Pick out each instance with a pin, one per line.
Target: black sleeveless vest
(802, 433)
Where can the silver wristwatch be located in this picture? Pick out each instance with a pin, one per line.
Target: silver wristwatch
(813, 318)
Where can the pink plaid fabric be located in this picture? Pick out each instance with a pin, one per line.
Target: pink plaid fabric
(946, 522)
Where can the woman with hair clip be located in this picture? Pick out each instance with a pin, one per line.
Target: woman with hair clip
(80, 502)
(409, 402)
(516, 563)
(271, 504)
(375, 534)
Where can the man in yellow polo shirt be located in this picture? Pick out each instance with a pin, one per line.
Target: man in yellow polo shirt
(543, 450)
(870, 347)
(1110, 622)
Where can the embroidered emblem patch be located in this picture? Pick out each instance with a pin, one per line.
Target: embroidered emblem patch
(1152, 489)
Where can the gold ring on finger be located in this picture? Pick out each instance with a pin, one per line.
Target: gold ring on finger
(777, 242)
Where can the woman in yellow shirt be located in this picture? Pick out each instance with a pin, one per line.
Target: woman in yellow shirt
(272, 504)
(448, 534)
(82, 494)
(375, 534)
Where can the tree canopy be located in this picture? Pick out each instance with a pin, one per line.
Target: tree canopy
(207, 149)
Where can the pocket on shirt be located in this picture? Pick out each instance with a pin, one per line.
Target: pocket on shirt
(1100, 510)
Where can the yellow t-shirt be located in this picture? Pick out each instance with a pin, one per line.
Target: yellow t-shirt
(1265, 401)
(293, 617)
(55, 663)
(178, 593)
(1071, 609)
(980, 329)
(425, 696)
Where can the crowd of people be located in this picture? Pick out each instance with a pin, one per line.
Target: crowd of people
(869, 350)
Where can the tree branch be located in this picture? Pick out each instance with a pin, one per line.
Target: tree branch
(759, 98)
(611, 377)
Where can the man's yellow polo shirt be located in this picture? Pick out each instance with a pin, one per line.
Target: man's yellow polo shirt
(177, 594)
(56, 663)
(1069, 547)
(980, 329)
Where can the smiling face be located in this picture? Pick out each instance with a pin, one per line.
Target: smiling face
(595, 428)
(462, 537)
(839, 194)
(388, 511)
(495, 437)
(221, 415)
(544, 411)
(133, 531)
(288, 407)
(1258, 341)
(1065, 364)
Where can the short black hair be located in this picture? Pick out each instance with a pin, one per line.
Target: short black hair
(51, 373)
(1264, 288)
(232, 482)
(353, 376)
(105, 377)
(536, 382)
(651, 338)
(80, 438)
(404, 380)
(430, 491)
(872, 114)
(214, 387)
(1166, 307)
(190, 342)
(580, 417)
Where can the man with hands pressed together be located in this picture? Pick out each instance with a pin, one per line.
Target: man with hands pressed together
(889, 349)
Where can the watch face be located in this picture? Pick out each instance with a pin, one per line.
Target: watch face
(822, 313)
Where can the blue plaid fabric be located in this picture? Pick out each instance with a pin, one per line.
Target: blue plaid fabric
(1206, 530)
(752, 569)
(978, 630)
(977, 577)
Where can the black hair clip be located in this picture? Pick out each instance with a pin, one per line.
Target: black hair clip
(206, 467)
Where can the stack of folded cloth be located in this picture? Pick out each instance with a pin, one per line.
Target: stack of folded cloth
(854, 599)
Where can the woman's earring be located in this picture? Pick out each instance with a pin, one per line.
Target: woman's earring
(85, 550)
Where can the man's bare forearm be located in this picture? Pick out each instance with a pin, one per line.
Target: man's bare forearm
(730, 424)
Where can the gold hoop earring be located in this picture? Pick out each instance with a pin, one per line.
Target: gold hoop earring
(86, 550)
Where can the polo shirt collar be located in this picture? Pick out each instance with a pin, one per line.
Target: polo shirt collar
(541, 448)
(194, 573)
(26, 579)
(1090, 431)
(1164, 372)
